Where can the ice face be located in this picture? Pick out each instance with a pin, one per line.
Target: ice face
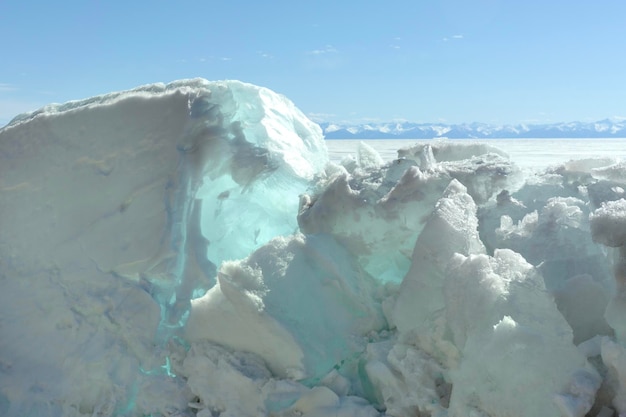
(187, 250)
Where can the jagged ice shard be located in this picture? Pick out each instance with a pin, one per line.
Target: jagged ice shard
(189, 250)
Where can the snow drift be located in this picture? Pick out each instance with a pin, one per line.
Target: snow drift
(188, 250)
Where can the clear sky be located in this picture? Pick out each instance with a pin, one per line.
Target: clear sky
(493, 61)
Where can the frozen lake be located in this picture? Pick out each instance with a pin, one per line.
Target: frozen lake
(527, 153)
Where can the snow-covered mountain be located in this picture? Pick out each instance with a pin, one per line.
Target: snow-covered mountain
(608, 128)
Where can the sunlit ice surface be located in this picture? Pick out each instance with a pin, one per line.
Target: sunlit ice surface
(189, 250)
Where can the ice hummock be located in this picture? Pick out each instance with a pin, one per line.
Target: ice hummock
(116, 212)
(188, 250)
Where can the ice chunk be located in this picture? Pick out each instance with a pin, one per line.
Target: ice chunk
(376, 216)
(588, 165)
(512, 336)
(422, 154)
(236, 384)
(452, 228)
(368, 157)
(213, 373)
(349, 163)
(613, 172)
(556, 239)
(300, 303)
(257, 151)
(614, 356)
(583, 171)
(483, 169)
(448, 151)
(603, 191)
(484, 176)
(608, 224)
(583, 301)
(608, 227)
(538, 188)
(115, 210)
(232, 314)
(491, 380)
(405, 381)
(480, 290)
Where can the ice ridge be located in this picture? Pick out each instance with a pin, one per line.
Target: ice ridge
(188, 250)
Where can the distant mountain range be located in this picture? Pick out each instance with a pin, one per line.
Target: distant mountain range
(609, 128)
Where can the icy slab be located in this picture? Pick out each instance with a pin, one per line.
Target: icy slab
(300, 303)
(511, 335)
(417, 313)
(115, 210)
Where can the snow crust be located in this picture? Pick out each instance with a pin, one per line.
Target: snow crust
(188, 250)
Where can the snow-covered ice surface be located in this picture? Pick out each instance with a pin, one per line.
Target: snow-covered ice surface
(189, 250)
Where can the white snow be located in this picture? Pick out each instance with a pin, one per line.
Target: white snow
(188, 250)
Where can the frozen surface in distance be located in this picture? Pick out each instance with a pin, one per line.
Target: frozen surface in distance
(188, 250)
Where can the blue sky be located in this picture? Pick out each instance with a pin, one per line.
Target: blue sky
(493, 61)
